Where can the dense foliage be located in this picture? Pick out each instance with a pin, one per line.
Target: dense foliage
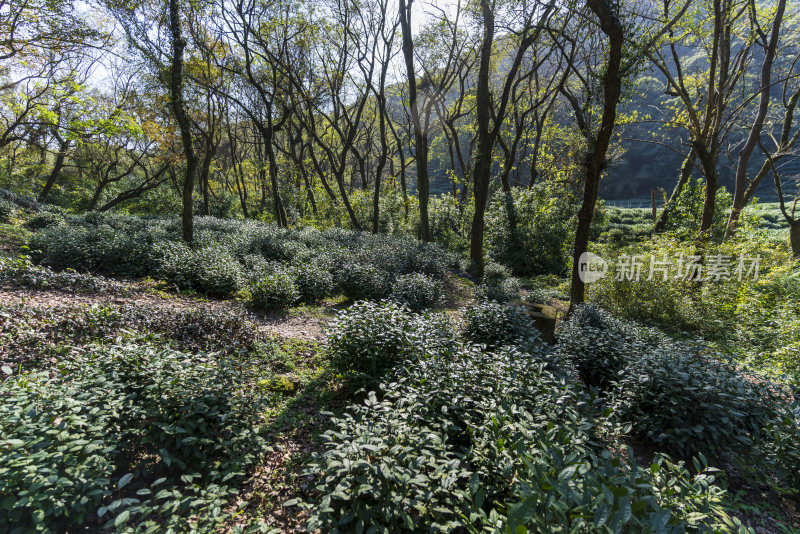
(489, 440)
(229, 253)
(752, 314)
(126, 434)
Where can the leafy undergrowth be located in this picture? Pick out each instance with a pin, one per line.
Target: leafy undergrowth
(615, 429)
(136, 417)
(145, 418)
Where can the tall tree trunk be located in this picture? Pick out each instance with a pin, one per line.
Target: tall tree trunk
(178, 110)
(709, 164)
(596, 160)
(794, 238)
(510, 155)
(686, 173)
(204, 171)
(420, 137)
(382, 158)
(277, 203)
(483, 160)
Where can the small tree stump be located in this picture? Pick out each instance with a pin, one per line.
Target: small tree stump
(545, 318)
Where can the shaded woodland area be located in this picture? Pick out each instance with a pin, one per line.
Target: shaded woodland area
(355, 266)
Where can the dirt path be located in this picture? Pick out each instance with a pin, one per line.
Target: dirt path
(306, 328)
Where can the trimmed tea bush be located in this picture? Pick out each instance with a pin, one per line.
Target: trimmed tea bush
(314, 283)
(274, 292)
(489, 442)
(7, 210)
(417, 291)
(365, 281)
(127, 434)
(44, 219)
(22, 272)
(216, 272)
(227, 253)
(368, 338)
(600, 345)
(498, 284)
(687, 402)
(494, 324)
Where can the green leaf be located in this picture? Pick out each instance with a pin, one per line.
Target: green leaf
(122, 518)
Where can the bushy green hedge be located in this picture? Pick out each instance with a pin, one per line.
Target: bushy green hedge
(601, 345)
(677, 396)
(314, 282)
(7, 210)
(227, 254)
(365, 281)
(368, 338)
(31, 336)
(689, 403)
(498, 284)
(20, 271)
(494, 324)
(127, 434)
(489, 441)
(274, 292)
(44, 219)
(417, 291)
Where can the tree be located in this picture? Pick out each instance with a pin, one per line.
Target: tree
(612, 28)
(744, 188)
(420, 137)
(614, 67)
(525, 26)
(705, 90)
(162, 49)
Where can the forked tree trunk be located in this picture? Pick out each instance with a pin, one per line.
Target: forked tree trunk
(686, 173)
(176, 97)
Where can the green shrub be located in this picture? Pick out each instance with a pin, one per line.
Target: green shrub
(370, 337)
(495, 274)
(754, 320)
(780, 448)
(22, 272)
(494, 324)
(216, 272)
(489, 442)
(365, 281)
(498, 284)
(176, 431)
(7, 210)
(600, 345)
(314, 282)
(417, 291)
(53, 470)
(544, 227)
(29, 336)
(176, 264)
(211, 270)
(122, 250)
(687, 402)
(45, 219)
(274, 292)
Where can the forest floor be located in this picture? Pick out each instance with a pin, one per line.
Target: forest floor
(299, 413)
(308, 327)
